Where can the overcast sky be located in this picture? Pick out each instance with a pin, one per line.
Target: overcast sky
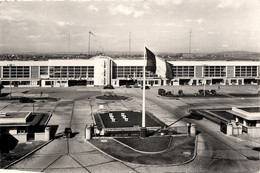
(163, 25)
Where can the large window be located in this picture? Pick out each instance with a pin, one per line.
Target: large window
(43, 70)
(215, 71)
(246, 71)
(71, 71)
(130, 72)
(183, 71)
(16, 72)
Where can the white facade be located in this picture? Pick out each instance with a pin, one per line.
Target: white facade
(103, 70)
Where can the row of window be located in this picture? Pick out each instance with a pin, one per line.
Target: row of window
(215, 71)
(183, 71)
(246, 71)
(121, 71)
(71, 71)
(16, 71)
(130, 72)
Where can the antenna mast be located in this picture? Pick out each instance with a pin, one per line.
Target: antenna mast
(190, 44)
(69, 39)
(129, 43)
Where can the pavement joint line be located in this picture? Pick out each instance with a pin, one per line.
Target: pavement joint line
(28, 154)
(102, 163)
(51, 163)
(5, 106)
(79, 163)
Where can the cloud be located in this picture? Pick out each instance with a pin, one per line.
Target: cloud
(231, 3)
(198, 20)
(213, 33)
(121, 9)
(168, 2)
(93, 8)
(224, 45)
(235, 32)
(173, 24)
(34, 36)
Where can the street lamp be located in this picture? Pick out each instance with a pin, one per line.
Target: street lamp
(10, 89)
(204, 80)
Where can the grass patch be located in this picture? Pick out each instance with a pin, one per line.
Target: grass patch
(243, 95)
(20, 150)
(135, 119)
(112, 97)
(144, 144)
(181, 150)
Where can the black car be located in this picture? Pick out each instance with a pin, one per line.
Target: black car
(213, 92)
(146, 87)
(161, 92)
(67, 132)
(108, 87)
(168, 93)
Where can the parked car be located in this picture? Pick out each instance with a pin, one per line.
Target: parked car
(207, 92)
(181, 93)
(146, 87)
(201, 92)
(169, 93)
(108, 87)
(161, 92)
(67, 132)
(213, 92)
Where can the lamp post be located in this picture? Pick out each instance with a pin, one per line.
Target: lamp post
(10, 82)
(204, 80)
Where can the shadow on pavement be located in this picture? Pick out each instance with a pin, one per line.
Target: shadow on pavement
(8, 143)
(53, 131)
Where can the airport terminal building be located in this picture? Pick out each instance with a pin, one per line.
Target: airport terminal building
(103, 70)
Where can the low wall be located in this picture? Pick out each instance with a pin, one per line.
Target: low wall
(22, 138)
(254, 132)
(39, 136)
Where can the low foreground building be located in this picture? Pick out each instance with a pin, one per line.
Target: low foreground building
(25, 126)
(249, 119)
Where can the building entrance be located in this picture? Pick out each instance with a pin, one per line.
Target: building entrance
(77, 82)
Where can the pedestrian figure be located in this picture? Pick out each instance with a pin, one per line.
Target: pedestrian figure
(41, 93)
(218, 87)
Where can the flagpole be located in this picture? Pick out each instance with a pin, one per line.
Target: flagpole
(143, 111)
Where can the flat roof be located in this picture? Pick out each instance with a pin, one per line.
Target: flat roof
(250, 109)
(248, 113)
(15, 115)
(24, 119)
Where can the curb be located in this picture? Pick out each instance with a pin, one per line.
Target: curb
(143, 152)
(147, 165)
(28, 154)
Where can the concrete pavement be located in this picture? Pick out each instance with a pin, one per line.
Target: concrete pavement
(77, 155)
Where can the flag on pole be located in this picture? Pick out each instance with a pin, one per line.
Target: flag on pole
(158, 66)
(151, 61)
(91, 33)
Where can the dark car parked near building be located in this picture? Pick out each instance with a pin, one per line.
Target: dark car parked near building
(108, 87)
(161, 92)
(146, 87)
(67, 132)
